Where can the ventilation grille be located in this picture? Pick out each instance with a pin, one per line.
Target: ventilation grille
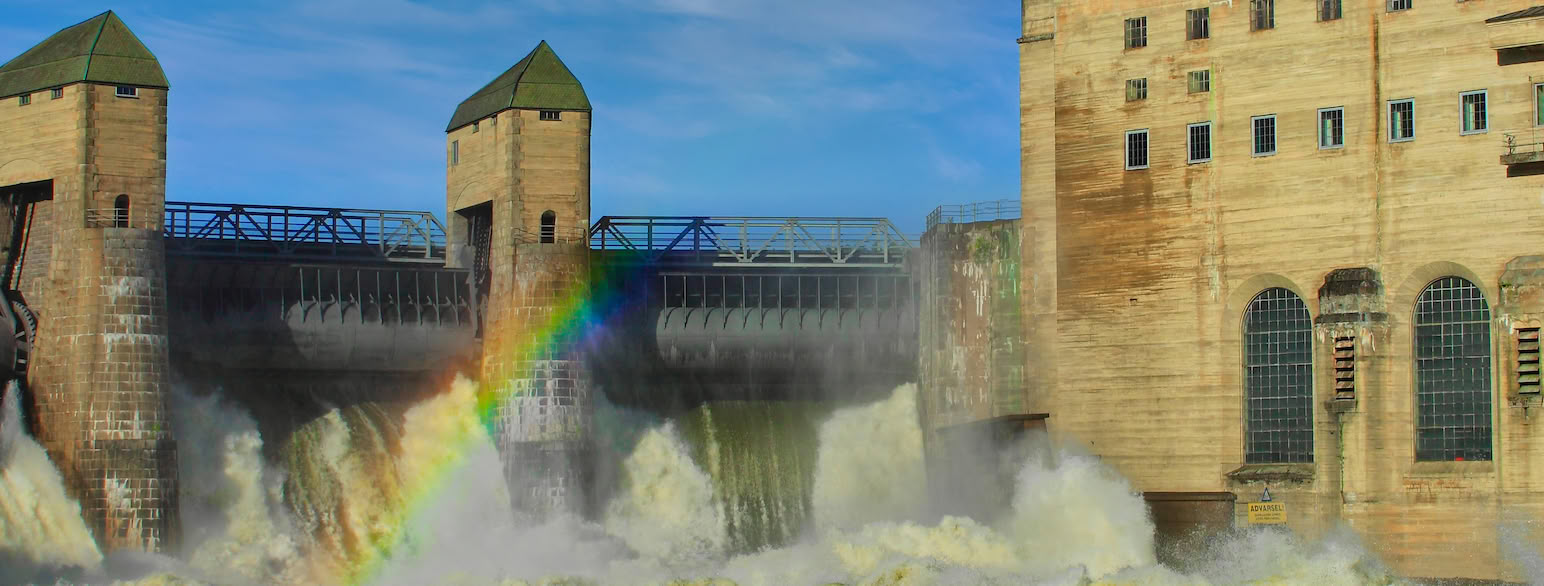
(1528, 360)
(1345, 368)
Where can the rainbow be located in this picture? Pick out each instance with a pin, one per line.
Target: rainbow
(581, 313)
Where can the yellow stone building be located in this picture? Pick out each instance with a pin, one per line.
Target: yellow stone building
(1295, 244)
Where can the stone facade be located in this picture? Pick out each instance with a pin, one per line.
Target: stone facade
(99, 376)
(1137, 280)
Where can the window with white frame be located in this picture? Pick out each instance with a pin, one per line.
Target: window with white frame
(1401, 120)
(1136, 32)
(1332, 128)
(1198, 82)
(23, 99)
(56, 93)
(1136, 89)
(1198, 24)
(1262, 14)
(1264, 128)
(1398, 5)
(1329, 10)
(1471, 107)
(126, 91)
(1136, 149)
(550, 115)
(1198, 142)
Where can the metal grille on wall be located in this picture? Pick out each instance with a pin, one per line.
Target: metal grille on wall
(1278, 378)
(393, 295)
(781, 291)
(1452, 372)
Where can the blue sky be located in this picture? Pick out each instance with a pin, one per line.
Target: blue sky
(722, 107)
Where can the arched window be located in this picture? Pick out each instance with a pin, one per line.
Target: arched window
(1278, 378)
(1452, 372)
(549, 227)
(121, 212)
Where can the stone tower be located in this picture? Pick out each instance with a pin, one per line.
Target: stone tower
(83, 173)
(518, 197)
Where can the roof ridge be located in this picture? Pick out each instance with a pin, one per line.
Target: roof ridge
(105, 16)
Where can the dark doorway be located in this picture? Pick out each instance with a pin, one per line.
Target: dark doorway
(549, 227)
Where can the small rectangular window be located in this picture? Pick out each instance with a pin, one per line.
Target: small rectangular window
(126, 91)
(1136, 32)
(1136, 149)
(551, 115)
(1262, 14)
(1136, 89)
(1199, 142)
(1401, 120)
(1197, 24)
(1329, 10)
(476, 127)
(1398, 5)
(24, 99)
(1332, 128)
(56, 93)
(1264, 135)
(1476, 118)
(1538, 104)
(1200, 81)
(455, 152)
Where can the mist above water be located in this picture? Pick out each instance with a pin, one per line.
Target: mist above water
(367, 497)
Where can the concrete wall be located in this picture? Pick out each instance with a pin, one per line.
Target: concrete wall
(1137, 288)
(99, 370)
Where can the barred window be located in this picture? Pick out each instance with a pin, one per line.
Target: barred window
(1136, 149)
(1476, 118)
(1401, 120)
(1199, 81)
(1199, 142)
(1264, 134)
(550, 115)
(1329, 10)
(1398, 5)
(1262, 14)
(23, 99)
(1136, 32)
(1332, 128)
(1136, 89)
(1278, 378)
(56, 93)
(1198, 24)
(1452, 372)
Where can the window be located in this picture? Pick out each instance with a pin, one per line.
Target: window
(549, 226)
(1538, 104)
(1262, 14)
(1329, 10)
(1136, 89)
(1472, 109)
(1197, 24)
(1199, 81)
(126, 91)
(1332, 128)
(23, 99)
(1452, 372)
(1199, 142)
(1401, 120)
(1398, 5)
(1264, 135)
(1278, 379)
(56, 93)
(121, 211)
(455, 152)
(1136, 149)
(476, 126)
(1136, 32)
(551, 115)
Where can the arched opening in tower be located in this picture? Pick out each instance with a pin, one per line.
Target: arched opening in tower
(549, 228)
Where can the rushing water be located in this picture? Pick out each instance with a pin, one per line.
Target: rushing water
(366, 496)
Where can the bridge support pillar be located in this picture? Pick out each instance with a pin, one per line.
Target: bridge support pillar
(535, 372)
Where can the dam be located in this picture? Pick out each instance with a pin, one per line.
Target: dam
(523, 388)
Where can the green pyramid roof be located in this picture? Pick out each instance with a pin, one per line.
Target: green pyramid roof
(101, 50)
(540, 81)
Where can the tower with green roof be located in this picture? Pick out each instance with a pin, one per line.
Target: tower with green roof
(83, 178)
(518, 197)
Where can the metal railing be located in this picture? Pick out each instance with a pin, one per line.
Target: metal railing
(740, 241)
(985, 211)
(1523, 142)
(208, 229)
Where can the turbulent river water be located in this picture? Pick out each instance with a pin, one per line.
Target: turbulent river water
(361, 497)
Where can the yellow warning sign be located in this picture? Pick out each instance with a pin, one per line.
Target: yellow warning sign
(1267, 513)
